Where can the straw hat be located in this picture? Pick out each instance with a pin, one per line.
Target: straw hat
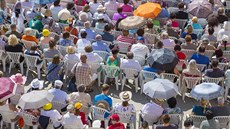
(83, 17)
(102, 104)
(45, 32)
(37, 84)
(18, 78)
(48, 106)
(100, 8)
(125, 95)
(78, 105)
(47, 13)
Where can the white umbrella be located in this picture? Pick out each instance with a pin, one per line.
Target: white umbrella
(160, 88)
(35, 99)
(207, 91)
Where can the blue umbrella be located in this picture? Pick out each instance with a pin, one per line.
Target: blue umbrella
(207, 91)
(43, 1)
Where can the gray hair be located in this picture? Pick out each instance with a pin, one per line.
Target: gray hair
(220, 100)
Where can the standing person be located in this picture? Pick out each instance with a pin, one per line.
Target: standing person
(54, 69)
(55, 9)
(210, 123)
(115, 122)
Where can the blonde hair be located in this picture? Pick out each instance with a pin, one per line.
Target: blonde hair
(13, 40)
(70, 50)
(1, 74)
(27, 31)
(194, 19)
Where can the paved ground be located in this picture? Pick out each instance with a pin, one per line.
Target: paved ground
(138, 100)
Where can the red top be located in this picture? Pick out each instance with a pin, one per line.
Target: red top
(117, 126)
(83, 119)
(181, 55)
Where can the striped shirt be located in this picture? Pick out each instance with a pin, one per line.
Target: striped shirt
(126, 39)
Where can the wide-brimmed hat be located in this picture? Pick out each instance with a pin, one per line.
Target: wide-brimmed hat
(100, 16)
(18, 78)
(45, 32)
(100, 8)
(47, 13)
(64, 14)
(83, 17)
(102, 104)
(125, 95)
(37, 84)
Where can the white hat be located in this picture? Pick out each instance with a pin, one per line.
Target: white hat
(100, 16)
(58, 83)
(125, 95)
(37, 84)
(225, 38)
(100, 8)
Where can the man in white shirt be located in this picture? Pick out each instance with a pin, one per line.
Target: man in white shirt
(92, 57)
(168, 43)
(55, 9)
(130, 63)
(111, 5)
(71, 120)
(59, 95)
(93, 6)
(83, 42)
(151, 112)
(140, 49)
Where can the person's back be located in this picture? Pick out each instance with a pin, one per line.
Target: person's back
(181, 14)
(166, 123)
(200, 58)
(51, 52)
(210, 123)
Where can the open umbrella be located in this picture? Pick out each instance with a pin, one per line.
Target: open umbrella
(7, 88)
(64, 14)
(163, 59)
(160, 88)
(132, 22)
(200, 8)
(42, 1)
(148, 10)
(35, 99)
(207, 91)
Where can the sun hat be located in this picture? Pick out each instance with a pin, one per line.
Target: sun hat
(115, 117)
(27, 31)
(47, 13)
(102, 104)
(100, 8)
(18, 78)
(45, 32)
(78, 105)
(58, 83)
(225, 38)
(37, 84)
(125, 95)
(48, 106)
(100, 16)
(83, 17)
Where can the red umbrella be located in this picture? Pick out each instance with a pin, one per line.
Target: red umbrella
(7, 88)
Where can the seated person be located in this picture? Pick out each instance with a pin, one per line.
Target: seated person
(115, 124)
(206, 45)
(196, 25)
(179, 53)
(221, 109)
(174, 23)
(52, 50)
(166, 123)
(215, 72)
(130, 63)
(104, 95)
(210, 35)
(172, 109)
(77, 112)
(191, 70)
(167, 42)
(200, 110)
(92, 57)
(200, 58)
(27, 36)
(210, 123)
(45, 36)
(189, 32)
(107, 36)
(65, 41)
(188, 43)
(98, 45)
(125, 37)
(34, 51)
(100, 24)
(219, 55)
(13, 30)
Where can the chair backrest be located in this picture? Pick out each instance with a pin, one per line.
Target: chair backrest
(62, 49)
(102, 54)
(123, 46)
(209, 53)
(57, 105)
(223, 66)
(197, 120)
(148, 76)
(171, 77)
(191, 81)
(201, 67)
(140, 59)
(152, 38)
(224, 121)
(14, 56)
(188, 53)
(1, 53)
(31, 61)
(130, 73)
(28, 118)
(98, 113)
(226, 54)
(181, 22)
(110, 71)
(125, 117)
(94, 67)
(214, 80)
(180, 64)
(116, 33)
(28, 44)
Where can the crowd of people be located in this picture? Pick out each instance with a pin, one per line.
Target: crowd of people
(70, 48)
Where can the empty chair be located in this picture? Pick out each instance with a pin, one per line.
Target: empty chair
(189, 82)
(188, 53)
(15, 59)
(111, 72)
(130, 74)
(32, 63)
(6, 117)
(97, 69)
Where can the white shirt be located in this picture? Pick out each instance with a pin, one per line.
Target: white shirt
(93, 58)
(130, 63)
(168, 43)
(81, 44)
(59, 95)
(112, 5)
(221, 33)
(55, 10)
(94, 6)
(106, 17)
(151, 112)
(118, 108)
(54, 115)
(140, 49)
(69, 119)
(71, 60)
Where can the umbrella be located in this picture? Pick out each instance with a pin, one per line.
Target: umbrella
(64, 14)
(163, 59)
(7, 88)
(148, 10)
(42, 1)
(207, 91)
(200, 8)
(35, 99)
(132, 22)
(160, 88)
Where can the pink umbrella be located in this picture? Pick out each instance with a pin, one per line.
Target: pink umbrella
(7, 88)
(200, 8)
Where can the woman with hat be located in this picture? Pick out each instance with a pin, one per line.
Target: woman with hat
(115, 122)
(86, 9)
(101, 10)
(100, 24)
(45, 37)
(77, 112)
(47, 17)
(202, 108)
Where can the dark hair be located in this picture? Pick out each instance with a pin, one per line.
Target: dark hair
(172, 102)
(13, 26)
(107, 28)
(81, 88)
(159, 44)
(201, 49)
(56, 3)
(215, 63)
(218, 53)
(125, 103)
(213, 21)
(117, 24)
(83, 34)
(69, 5)
(188, 123)
(115, 51)
(65, 35)
(166, 118)
(210, 30)
(119, 9)
(172, 15)
(105, 87)
(130, 55)
(140, 32)
(177, 47)
(188, 38)
(126, 1)
(33, 48)
(144, 124)
(149, 24)
(88, 48)
(180, 5)
(52, 43)
(209, 115)
(56, 59)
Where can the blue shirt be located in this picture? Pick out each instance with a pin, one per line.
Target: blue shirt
(100, 46)
(54, 74)
(90, 33)
(107, 37)
(194, 36)
(149, 69)
(164, 13)
(197, 26)
(200, 59)
(103, 97)
(65, 42)
(198, 110)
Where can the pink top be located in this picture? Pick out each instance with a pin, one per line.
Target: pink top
(83, 2)
(127, 8)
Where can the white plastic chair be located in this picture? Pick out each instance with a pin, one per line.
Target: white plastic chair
(171, 77)
(123, 46)
(116, 33)
(62, 49)
(209, 53)
(128, 118)
(31, 62)
(147, 76)
(201, 67)
(190, 82)
(224, 121)
(129, 73)
(152, 38)
(6, 118)
(226, 54)
(97, 69)
(29, 119)
(110, 72)
(102, 54)
(227, 86)
(188, 53)
(3, 58)
(15, 59)
(140, 59)
(98, 114)
(28, 44)
(196, 119)
(219, 80)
